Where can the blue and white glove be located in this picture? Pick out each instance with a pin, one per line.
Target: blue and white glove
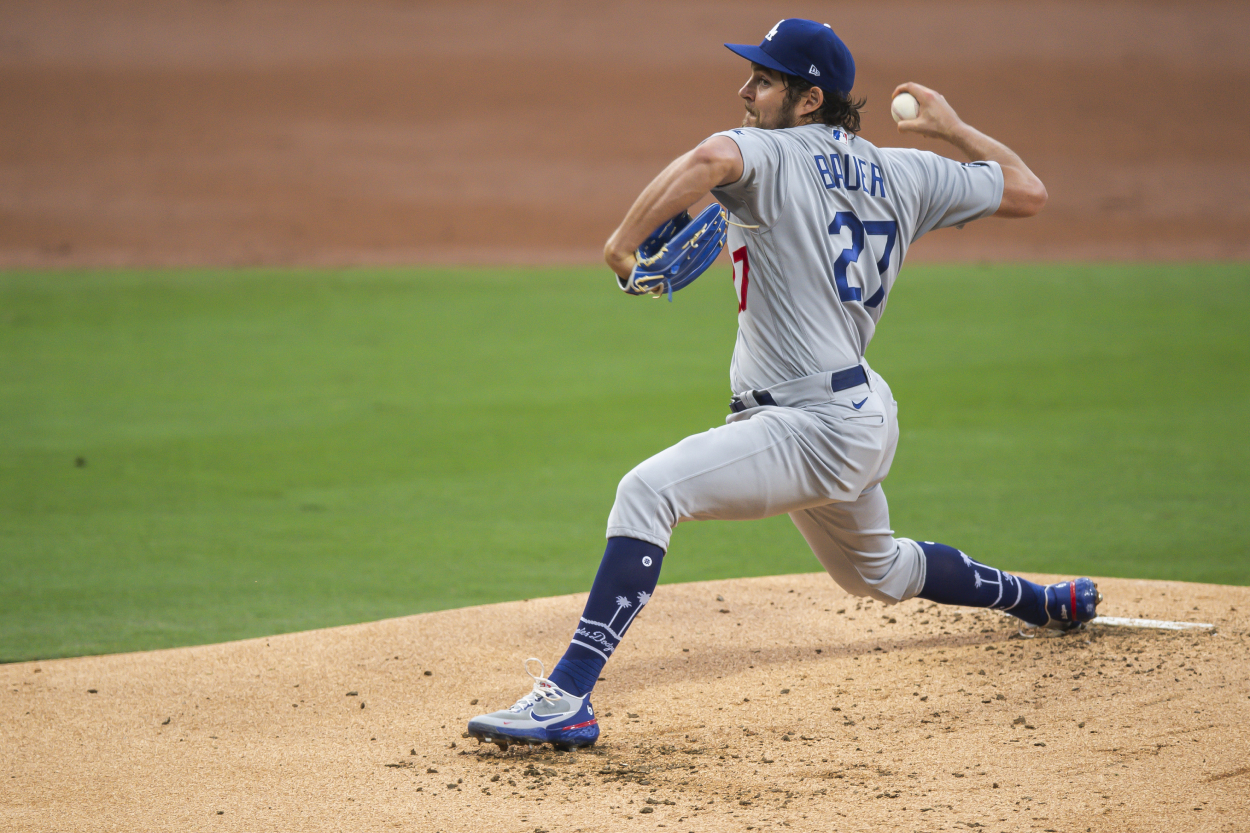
(677, 252)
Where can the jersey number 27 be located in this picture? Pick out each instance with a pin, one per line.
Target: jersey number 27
(859, 229)
(846, 293)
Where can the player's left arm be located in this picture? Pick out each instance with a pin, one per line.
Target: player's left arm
(1023, 193)
(686, 180)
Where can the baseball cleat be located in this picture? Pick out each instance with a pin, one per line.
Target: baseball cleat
(1070, 604)
(548, 714)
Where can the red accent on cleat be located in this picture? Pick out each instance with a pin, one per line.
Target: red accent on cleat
(1072, 586)
(579, 725)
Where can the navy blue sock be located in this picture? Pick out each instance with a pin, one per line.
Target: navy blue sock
(953, 578)
(626, 579)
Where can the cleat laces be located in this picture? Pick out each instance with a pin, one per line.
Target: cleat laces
(544, 689)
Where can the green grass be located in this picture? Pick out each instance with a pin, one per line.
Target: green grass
(268, 451)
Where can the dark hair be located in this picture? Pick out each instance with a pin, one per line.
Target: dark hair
(837, 110)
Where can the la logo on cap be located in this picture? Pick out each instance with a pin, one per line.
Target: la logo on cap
(805, 48)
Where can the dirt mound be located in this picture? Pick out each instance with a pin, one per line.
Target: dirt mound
(733, 705)
(321, 132)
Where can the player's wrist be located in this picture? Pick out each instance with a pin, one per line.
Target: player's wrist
(620, 261)
(968, 139)
(958, 132)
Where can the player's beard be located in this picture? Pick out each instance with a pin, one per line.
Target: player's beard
(786, 117)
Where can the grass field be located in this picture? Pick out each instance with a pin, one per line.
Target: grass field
(197, 456)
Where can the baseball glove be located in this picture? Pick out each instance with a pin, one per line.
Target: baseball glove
(677, 252)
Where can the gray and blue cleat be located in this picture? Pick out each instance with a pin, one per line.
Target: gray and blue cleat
(1069, 604)
(548, 714)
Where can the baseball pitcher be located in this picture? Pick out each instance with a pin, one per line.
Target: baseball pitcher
(817, 221)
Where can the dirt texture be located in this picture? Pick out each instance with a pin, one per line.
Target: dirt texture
(154, 132)
(753, 704)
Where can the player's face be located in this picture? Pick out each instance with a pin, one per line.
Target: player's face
(764, 95)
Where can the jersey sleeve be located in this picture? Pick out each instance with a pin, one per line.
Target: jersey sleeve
(757, 197)
(945, 192)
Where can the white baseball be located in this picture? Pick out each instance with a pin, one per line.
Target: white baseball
(904, 106)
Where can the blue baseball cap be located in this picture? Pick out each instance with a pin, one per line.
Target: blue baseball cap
(807, 49)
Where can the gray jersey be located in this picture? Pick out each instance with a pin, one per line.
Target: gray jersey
(835, 217)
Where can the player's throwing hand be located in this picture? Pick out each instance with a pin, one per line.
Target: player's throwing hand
(936, 119)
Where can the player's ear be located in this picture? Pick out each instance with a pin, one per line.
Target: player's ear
(812, 102)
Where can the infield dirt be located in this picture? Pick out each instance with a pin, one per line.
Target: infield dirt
(324, 132)
(752, 704)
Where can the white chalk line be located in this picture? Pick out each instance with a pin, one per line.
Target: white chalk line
(1161, 624)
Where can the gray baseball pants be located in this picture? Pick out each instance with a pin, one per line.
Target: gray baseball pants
(819, 455)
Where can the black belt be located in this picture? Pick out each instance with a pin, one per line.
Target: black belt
(841, 380)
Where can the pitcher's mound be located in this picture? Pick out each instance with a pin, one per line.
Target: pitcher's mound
(751, 704)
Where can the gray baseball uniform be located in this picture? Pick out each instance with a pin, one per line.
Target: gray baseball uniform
(830, 218)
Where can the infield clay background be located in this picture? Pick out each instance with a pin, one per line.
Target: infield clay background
(177, 132)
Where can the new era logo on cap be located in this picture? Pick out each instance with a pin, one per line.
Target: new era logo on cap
(794, 42)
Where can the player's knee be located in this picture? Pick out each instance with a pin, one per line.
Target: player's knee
(633, 491)
(891, 579)
(874, 591)
(639, 505)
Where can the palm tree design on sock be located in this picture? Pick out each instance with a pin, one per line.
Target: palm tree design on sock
(643, 598)
(622, 603)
